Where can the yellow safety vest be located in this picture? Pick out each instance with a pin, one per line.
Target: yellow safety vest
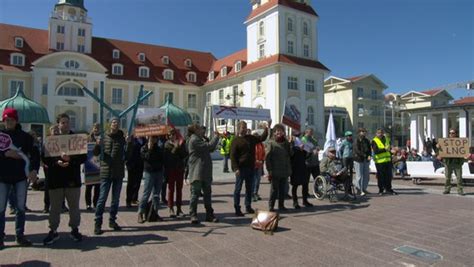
(226, 143)
(384, 156)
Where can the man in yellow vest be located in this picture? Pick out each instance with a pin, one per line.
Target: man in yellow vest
(225, 149)
(383, 162)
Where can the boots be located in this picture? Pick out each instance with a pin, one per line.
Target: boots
(296, 205)
(98, 229)
(179, 212)
(172, 214)
(141, 218)
(210, 217)
(271, 205)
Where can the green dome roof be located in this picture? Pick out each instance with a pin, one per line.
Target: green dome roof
(176, 115)
(28, 110)
(76, 3)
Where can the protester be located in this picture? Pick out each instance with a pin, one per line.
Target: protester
(329, 166)
(226, 143)
(242, 156)
(414, 155)
(64, 184)
(200, 171)
(18, 164)
(453, 165)
(362, 156)
(383, 162)
(399, 161)
(259, 161)
(134, 163)
(278, 154)
(299, 175)
(425, 156)
(346, 154)
(95, 188)
(175, 155)
(312, 162)
(112, 172)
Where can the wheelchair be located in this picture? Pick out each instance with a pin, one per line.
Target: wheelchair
(327, 186)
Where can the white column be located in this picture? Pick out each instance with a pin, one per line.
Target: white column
(414, 130)
(462, 124)
(36, 87)
(429, 125)
(421, 132)
(445, 124)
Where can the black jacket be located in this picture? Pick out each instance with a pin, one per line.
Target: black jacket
(361, 149)
(174, 156)
(134, 160)
(64, 177)
(12, 171)
(242, 150)
(152, 158)
(112, 166)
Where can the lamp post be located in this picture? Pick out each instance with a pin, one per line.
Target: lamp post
(234, 96)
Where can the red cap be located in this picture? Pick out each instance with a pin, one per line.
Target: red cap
(10, 113)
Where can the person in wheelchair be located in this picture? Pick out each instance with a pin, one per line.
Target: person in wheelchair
(332, 166)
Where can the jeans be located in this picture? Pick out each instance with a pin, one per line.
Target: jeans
(152, 183)
(257, 178)
(226, 162)
(247, 175)
(105, 185)
(362, 175)
(20, 201)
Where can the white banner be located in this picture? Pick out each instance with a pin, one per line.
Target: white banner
(228, 112)
(70, 144)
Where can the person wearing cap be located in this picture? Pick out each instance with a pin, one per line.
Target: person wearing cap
(345, 153)
(64, 183)
(19, 162)
(329, 166)
(112, 172)
(383, 162)
(362, 155)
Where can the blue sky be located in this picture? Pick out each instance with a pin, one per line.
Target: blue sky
(408, 44)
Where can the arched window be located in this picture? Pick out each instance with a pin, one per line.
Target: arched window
(310, 118)
(168, 74)
(143, 72)
(188, 63)
(224, 71)
(117, 69)
(70, 89)
(72, 119)
(238, 66)
(191, 77)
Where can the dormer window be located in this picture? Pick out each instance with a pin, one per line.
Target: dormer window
(224, 71)
(18, 42)
(165, 60)
(116, 54)
(188, 63)
(211, 76)
(17, 59)
(168, 74)
(141, 57)
(238, 66)
(117, 69)
(143, 72)
(191, 77)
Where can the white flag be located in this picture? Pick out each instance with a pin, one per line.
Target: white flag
(330, 134)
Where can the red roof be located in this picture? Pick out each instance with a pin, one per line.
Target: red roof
(432, 92)
(288, 3)
(36, 45)
(464, 100)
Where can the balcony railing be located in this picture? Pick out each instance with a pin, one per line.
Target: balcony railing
(370, 97)
(62, 16)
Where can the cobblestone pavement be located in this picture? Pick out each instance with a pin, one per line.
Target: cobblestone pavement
(362, 233)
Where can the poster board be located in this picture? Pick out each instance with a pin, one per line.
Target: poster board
(150, 122)
(453, 147)
(240, 113)
(291, 117)
(69, 144)
(91, 166)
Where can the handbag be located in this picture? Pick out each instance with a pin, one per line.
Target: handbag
(266, 221)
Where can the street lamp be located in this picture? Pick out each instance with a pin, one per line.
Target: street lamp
(234, 96)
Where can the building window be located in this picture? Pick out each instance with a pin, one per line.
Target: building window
(15, 85)
(306, 50)
(290, 47)
(71, 64)
(44, 89)
(259, 86)
(116, 54)
(117, 69)
(72, 119)
(191, 76)
(168, 74)
(81, 32)
(195, 118)
(305, 28)
(165, 60)
(169, 95)
(211, 76)
(238, 66)
(310, 118)
(81, 48)
(70, 89)
(117, 96)
(360, 109)
(261, 28)
(18, 42)
(60, 29)
(146, 101)
(224, 71)
(292, 83)
(360, 92)
(290, 24)
(17, 59)
(261, 51)
(360, 125)
(221, 96)
(143, 72)
(374, 94)
(188, 63)
(192, 101)
(141, 57)
(208, 99)
(59, 46)
(309, 85)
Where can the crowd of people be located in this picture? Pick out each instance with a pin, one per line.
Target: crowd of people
(163, 164)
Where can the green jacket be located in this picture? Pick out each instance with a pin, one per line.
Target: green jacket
(278, 159)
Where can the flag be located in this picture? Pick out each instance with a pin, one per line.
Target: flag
(330, 134)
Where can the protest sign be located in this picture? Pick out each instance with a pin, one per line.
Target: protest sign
(453, 147)
(150, 122)
(228, 112)
(69, 144)
(291, 117)
(91, 166)
(5, 142)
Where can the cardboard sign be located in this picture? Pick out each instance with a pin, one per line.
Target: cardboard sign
(150, 130)
(5, 142)
(291, 117)
(150, 122)
(70, 144)
(91, 167)
(453, 147)
(236, 113)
